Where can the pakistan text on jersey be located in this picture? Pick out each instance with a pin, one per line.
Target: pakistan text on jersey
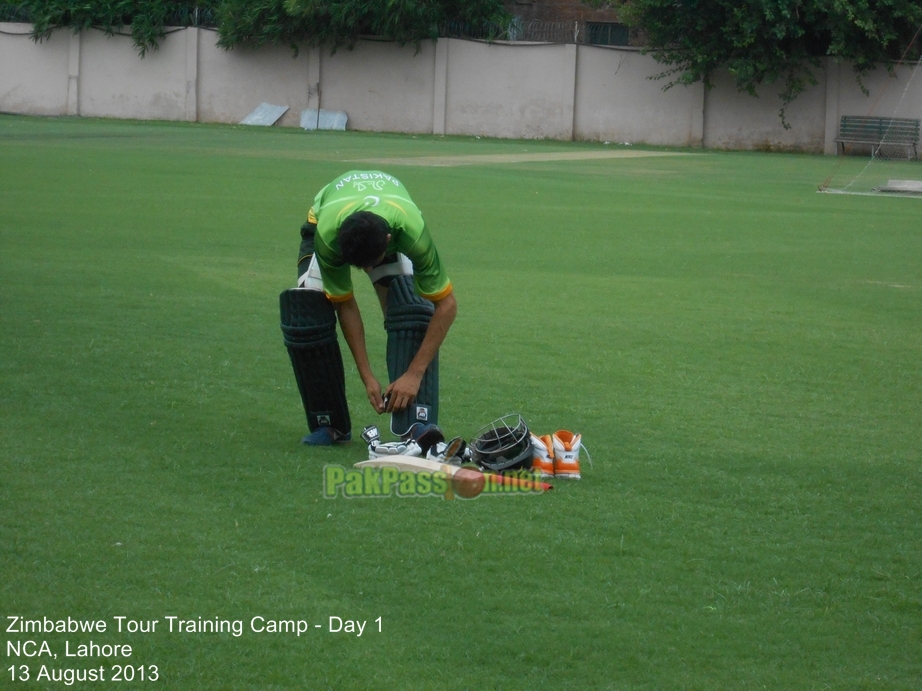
(367, 176)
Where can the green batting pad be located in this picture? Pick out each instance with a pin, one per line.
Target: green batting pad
(308, 322)
(408, 316)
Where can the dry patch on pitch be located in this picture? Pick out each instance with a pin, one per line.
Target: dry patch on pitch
(900, 286)
(524, 157)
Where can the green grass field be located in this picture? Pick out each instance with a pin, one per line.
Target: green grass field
(742, 355)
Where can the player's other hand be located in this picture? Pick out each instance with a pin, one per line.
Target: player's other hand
(373, 389)
(402, 391)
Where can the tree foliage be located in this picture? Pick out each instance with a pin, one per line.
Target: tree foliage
(338, 22)
(255, 22)
(768, 41)
(147, 19)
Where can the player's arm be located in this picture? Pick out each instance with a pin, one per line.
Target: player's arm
(404, 389)
(350, 321)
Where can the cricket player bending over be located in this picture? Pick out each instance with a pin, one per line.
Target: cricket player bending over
(366, 219)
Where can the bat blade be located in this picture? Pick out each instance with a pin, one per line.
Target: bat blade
(412, 463)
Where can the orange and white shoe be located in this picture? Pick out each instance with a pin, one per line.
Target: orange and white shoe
(566, 454)
(543, 449)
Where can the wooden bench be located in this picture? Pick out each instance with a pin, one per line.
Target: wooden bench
(875, 131)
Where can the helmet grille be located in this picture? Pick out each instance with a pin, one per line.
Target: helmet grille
(503, 444)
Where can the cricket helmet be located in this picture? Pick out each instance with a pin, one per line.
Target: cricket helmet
(504, 444)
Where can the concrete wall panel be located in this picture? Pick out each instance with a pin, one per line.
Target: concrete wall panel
(33, 76)
(382, 86)
(616, 100)
(116, 83)
(518, 91)
(736, 120)
(897, 94)
(231, 83)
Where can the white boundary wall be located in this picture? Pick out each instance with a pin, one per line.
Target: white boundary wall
(519, 90)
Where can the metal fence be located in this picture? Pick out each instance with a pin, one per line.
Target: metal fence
(590, 33)
(186, 15)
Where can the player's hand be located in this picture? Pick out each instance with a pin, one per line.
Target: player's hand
(402, 391)
(373, 389)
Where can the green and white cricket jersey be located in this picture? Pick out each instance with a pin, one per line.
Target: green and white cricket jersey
(385, 196)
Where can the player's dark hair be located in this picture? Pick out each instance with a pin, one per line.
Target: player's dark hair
(363, 238)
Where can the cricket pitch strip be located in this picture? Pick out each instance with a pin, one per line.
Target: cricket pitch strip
(524, 157)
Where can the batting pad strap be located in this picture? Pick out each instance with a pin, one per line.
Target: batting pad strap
(311, 279)
(401, 267)
(308, 323)
(406, 321)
